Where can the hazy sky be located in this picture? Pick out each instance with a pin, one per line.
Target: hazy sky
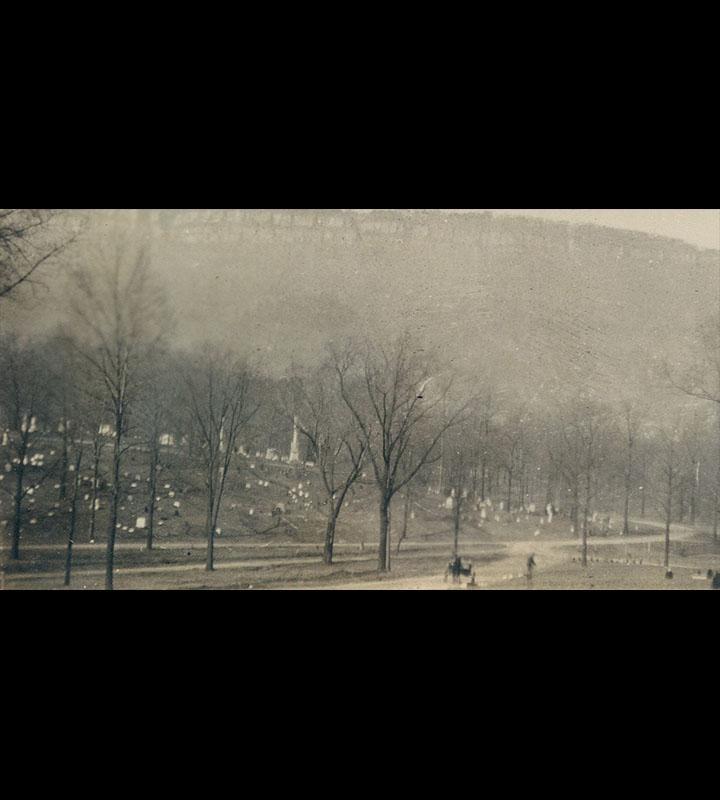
(700, 227)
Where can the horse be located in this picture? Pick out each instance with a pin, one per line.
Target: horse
(456, 569)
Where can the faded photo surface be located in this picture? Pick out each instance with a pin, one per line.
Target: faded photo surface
(455, 399)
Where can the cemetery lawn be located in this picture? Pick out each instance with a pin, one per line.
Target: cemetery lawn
(257, 548)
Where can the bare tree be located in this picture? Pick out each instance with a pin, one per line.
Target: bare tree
(487, 411)
(151, 422)
(118, 316)
(701, 379)
(632, 415)
(692, 438)
(28, 240)
(24, 397)
(98, 442)
(578, 450)
(509, 448)
(645, 465)
(667, 464)
(461, 461)
(220, 400)
(394, 401)
(80, 405)
(312, 403)
(591, 430)
(77, 480)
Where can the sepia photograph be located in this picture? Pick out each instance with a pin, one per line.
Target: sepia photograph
(360, 399)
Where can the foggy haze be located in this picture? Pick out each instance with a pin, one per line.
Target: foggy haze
(533, 301)
(341, 397)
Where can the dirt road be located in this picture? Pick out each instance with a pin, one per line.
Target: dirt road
(510, 565)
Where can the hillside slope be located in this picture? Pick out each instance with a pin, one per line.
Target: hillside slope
(524, 301)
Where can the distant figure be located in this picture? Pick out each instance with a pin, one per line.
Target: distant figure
(710, 574)
(716, 581)
(669, 575)
(530, 566)
(456, 569)
(457, 566)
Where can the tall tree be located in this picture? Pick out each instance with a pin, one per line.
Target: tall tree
(24, 400)
(153, 415)
(219, 396)
(72, 525)
(394, 398)
(509, 448)
(313, 404)
(118, 317)
(578, 451)
(667, 464)
(461, 461)
(632, 415)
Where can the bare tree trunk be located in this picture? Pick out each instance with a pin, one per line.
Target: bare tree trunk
(668, 518)
(406, 515)
(114, 503)
(389, 535)
(384, 555)
(64, 462)
(586, 515)
(209, 562)
(73, 517)
(628, 488)
(153, 492)
(642, 502)
(575, 510)
(681, 503)
(509, 489)
(330, 534)
(626, 512)
(456, 537)
(693, 491)
(17, 517)
(96, 478)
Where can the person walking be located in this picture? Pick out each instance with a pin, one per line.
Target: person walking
(530, 567)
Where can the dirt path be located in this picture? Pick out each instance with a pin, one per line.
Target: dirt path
(549, 553)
